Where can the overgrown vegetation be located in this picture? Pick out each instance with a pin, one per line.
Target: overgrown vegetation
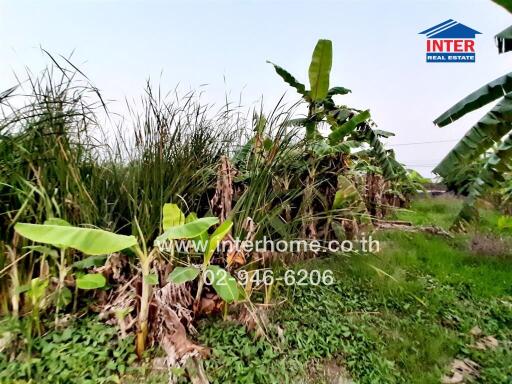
(93, 220)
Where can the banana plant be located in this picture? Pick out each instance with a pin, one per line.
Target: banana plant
(89, 241)
(222, 282)
(62, 235)
(319, 96)
(175, 226)
(345, 123)
(492, 133)
(36, 293)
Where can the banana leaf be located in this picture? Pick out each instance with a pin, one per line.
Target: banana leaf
(338, 91)
(398, 168)
(87, 240)
(320, 70)
(492, 173)
(341, 131)
(172, 216)
(188, 230)
(495, 167)
(482, 96)
(288, 78)
(507, 4)
(382, 157)
(482, 136)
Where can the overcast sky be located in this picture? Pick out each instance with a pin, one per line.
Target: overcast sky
(378, 53)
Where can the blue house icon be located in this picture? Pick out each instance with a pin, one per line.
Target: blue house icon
(450, 29)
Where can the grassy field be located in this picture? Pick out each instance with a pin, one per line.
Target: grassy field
(402, 315)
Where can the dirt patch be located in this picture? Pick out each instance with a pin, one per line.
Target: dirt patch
(461, 371)
(490, 245)
(328, 371)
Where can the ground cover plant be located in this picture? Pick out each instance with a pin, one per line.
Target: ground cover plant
(120, 256)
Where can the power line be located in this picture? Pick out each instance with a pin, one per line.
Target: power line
(422, 142)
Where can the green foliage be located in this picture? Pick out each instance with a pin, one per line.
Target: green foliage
(338, 91)
(491, 133)
(188, 230)
(482, 96)
(87, 240)
(220, 233)
(47, 251)
(224, 284)
(290, 80)
(180, 275)
(346, 124)
(37, 289)
(89, 262)
(91, 281)
(388, 328)
(505, 223)
(251, 360)
(482, 136)
(348, 199)
(320, 70)
(339, 132)
(494, 170)
(86, 351)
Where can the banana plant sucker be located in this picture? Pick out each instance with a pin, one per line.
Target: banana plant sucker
(145, 298)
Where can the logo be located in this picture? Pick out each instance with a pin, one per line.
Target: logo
(450, 42)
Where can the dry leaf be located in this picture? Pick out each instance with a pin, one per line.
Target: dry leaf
(254, 319)
(210, 303)
(488, 342)
(235, 257)
(173, 303)
(223, 198)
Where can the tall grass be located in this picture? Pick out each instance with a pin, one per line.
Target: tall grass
(58, 160)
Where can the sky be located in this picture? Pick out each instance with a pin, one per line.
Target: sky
(221, 47)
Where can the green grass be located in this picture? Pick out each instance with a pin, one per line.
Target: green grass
(427, 211)
(401, 315)
(443, 210)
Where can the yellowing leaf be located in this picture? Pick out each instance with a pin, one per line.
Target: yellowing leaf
(172, 216)
(189, 230)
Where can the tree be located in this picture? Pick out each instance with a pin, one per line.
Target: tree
(490, 137)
